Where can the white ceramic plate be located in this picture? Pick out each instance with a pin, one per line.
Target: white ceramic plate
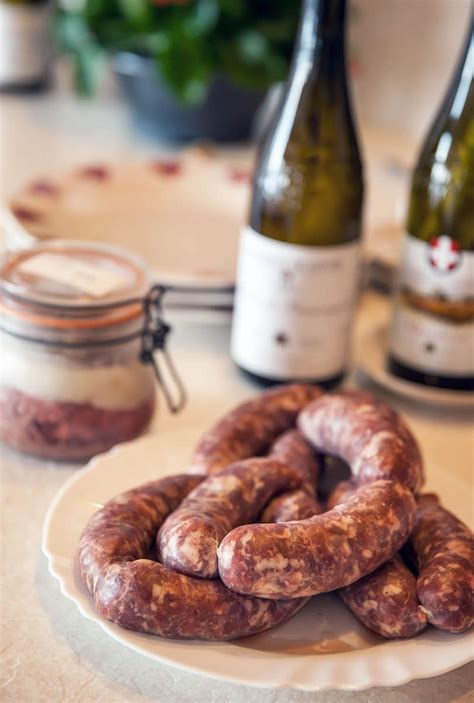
(322, 647)
(372, 363)
(181, 214)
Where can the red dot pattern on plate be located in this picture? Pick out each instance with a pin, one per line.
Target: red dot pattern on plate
(26, 214)
(43, 188)
(239, 175)
(95, 173)
(167, 168)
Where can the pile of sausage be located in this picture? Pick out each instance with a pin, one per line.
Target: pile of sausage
(240, 542)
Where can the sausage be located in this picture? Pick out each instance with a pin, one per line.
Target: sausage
(340, 493)
(369, 435)
(322, 553)
(189, 537)
(143, 595)
(292, 449)
(385, 601)
(292, 505)
(249, 429)
(123, 525)
(443, 548)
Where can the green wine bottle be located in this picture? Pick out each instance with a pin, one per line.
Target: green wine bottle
(298, 261)
(432, 333)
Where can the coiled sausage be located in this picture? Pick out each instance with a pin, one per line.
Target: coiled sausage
(140, 594)
(322, 553)
(386, 600)
(369, 435)
(443, 548)
(249, 429)
(190, 536)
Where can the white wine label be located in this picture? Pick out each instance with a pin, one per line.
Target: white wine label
(293, 307)
(438, 268)
(433, 318)
(432, 345)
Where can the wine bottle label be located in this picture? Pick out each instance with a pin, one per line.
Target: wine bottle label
(293, 307)
(433, 318)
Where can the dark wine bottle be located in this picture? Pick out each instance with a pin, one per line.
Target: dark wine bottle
(298, 261)
(432, 333)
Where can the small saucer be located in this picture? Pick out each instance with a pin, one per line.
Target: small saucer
(371, 361)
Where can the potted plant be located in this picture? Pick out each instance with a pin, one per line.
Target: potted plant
(25, 44)
(188, 68)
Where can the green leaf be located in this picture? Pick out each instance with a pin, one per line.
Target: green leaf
(157, 42)
(137, 12)
(194, 91)
(86, 65)
(72, 32)
(203, 18)
(250, 41)
(186, 66)
(234, 8)
(252, 46)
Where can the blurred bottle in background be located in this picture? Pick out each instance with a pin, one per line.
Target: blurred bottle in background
(298, 262)
(25, 44)
(432, 335)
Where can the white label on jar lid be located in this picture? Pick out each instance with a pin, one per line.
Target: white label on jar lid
(86, 277)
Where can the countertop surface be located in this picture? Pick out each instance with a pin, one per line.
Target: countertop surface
(49, 651)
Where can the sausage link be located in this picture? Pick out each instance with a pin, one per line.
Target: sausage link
(292, 505)
(340, 493)
(444, 551)
(292, 449)
(190, 536)
(143, 595)
(322, 553)
(123, 526)
(249, 429)
(369, 435)
(385, 601)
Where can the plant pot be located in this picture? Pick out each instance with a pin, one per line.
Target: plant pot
(226, 115)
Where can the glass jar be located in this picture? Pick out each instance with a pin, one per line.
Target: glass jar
(73, 374)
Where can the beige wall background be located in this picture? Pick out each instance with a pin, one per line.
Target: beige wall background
(404, 54)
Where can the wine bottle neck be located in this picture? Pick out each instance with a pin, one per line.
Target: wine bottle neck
(322, 24)
(462, 80)
(454, 114)
(320, 46)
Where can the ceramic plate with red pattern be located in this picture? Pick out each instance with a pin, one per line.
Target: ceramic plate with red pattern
(182, 215)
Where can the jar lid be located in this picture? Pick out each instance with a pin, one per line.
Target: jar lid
(73, 284)
(65, 292)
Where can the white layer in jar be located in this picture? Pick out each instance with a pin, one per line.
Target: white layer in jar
(109, 380)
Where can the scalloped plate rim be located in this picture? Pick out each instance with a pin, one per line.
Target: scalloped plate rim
(369, 676)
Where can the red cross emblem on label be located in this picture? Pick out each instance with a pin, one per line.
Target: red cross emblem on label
(444, 253)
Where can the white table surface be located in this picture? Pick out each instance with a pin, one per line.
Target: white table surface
(49, 652)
